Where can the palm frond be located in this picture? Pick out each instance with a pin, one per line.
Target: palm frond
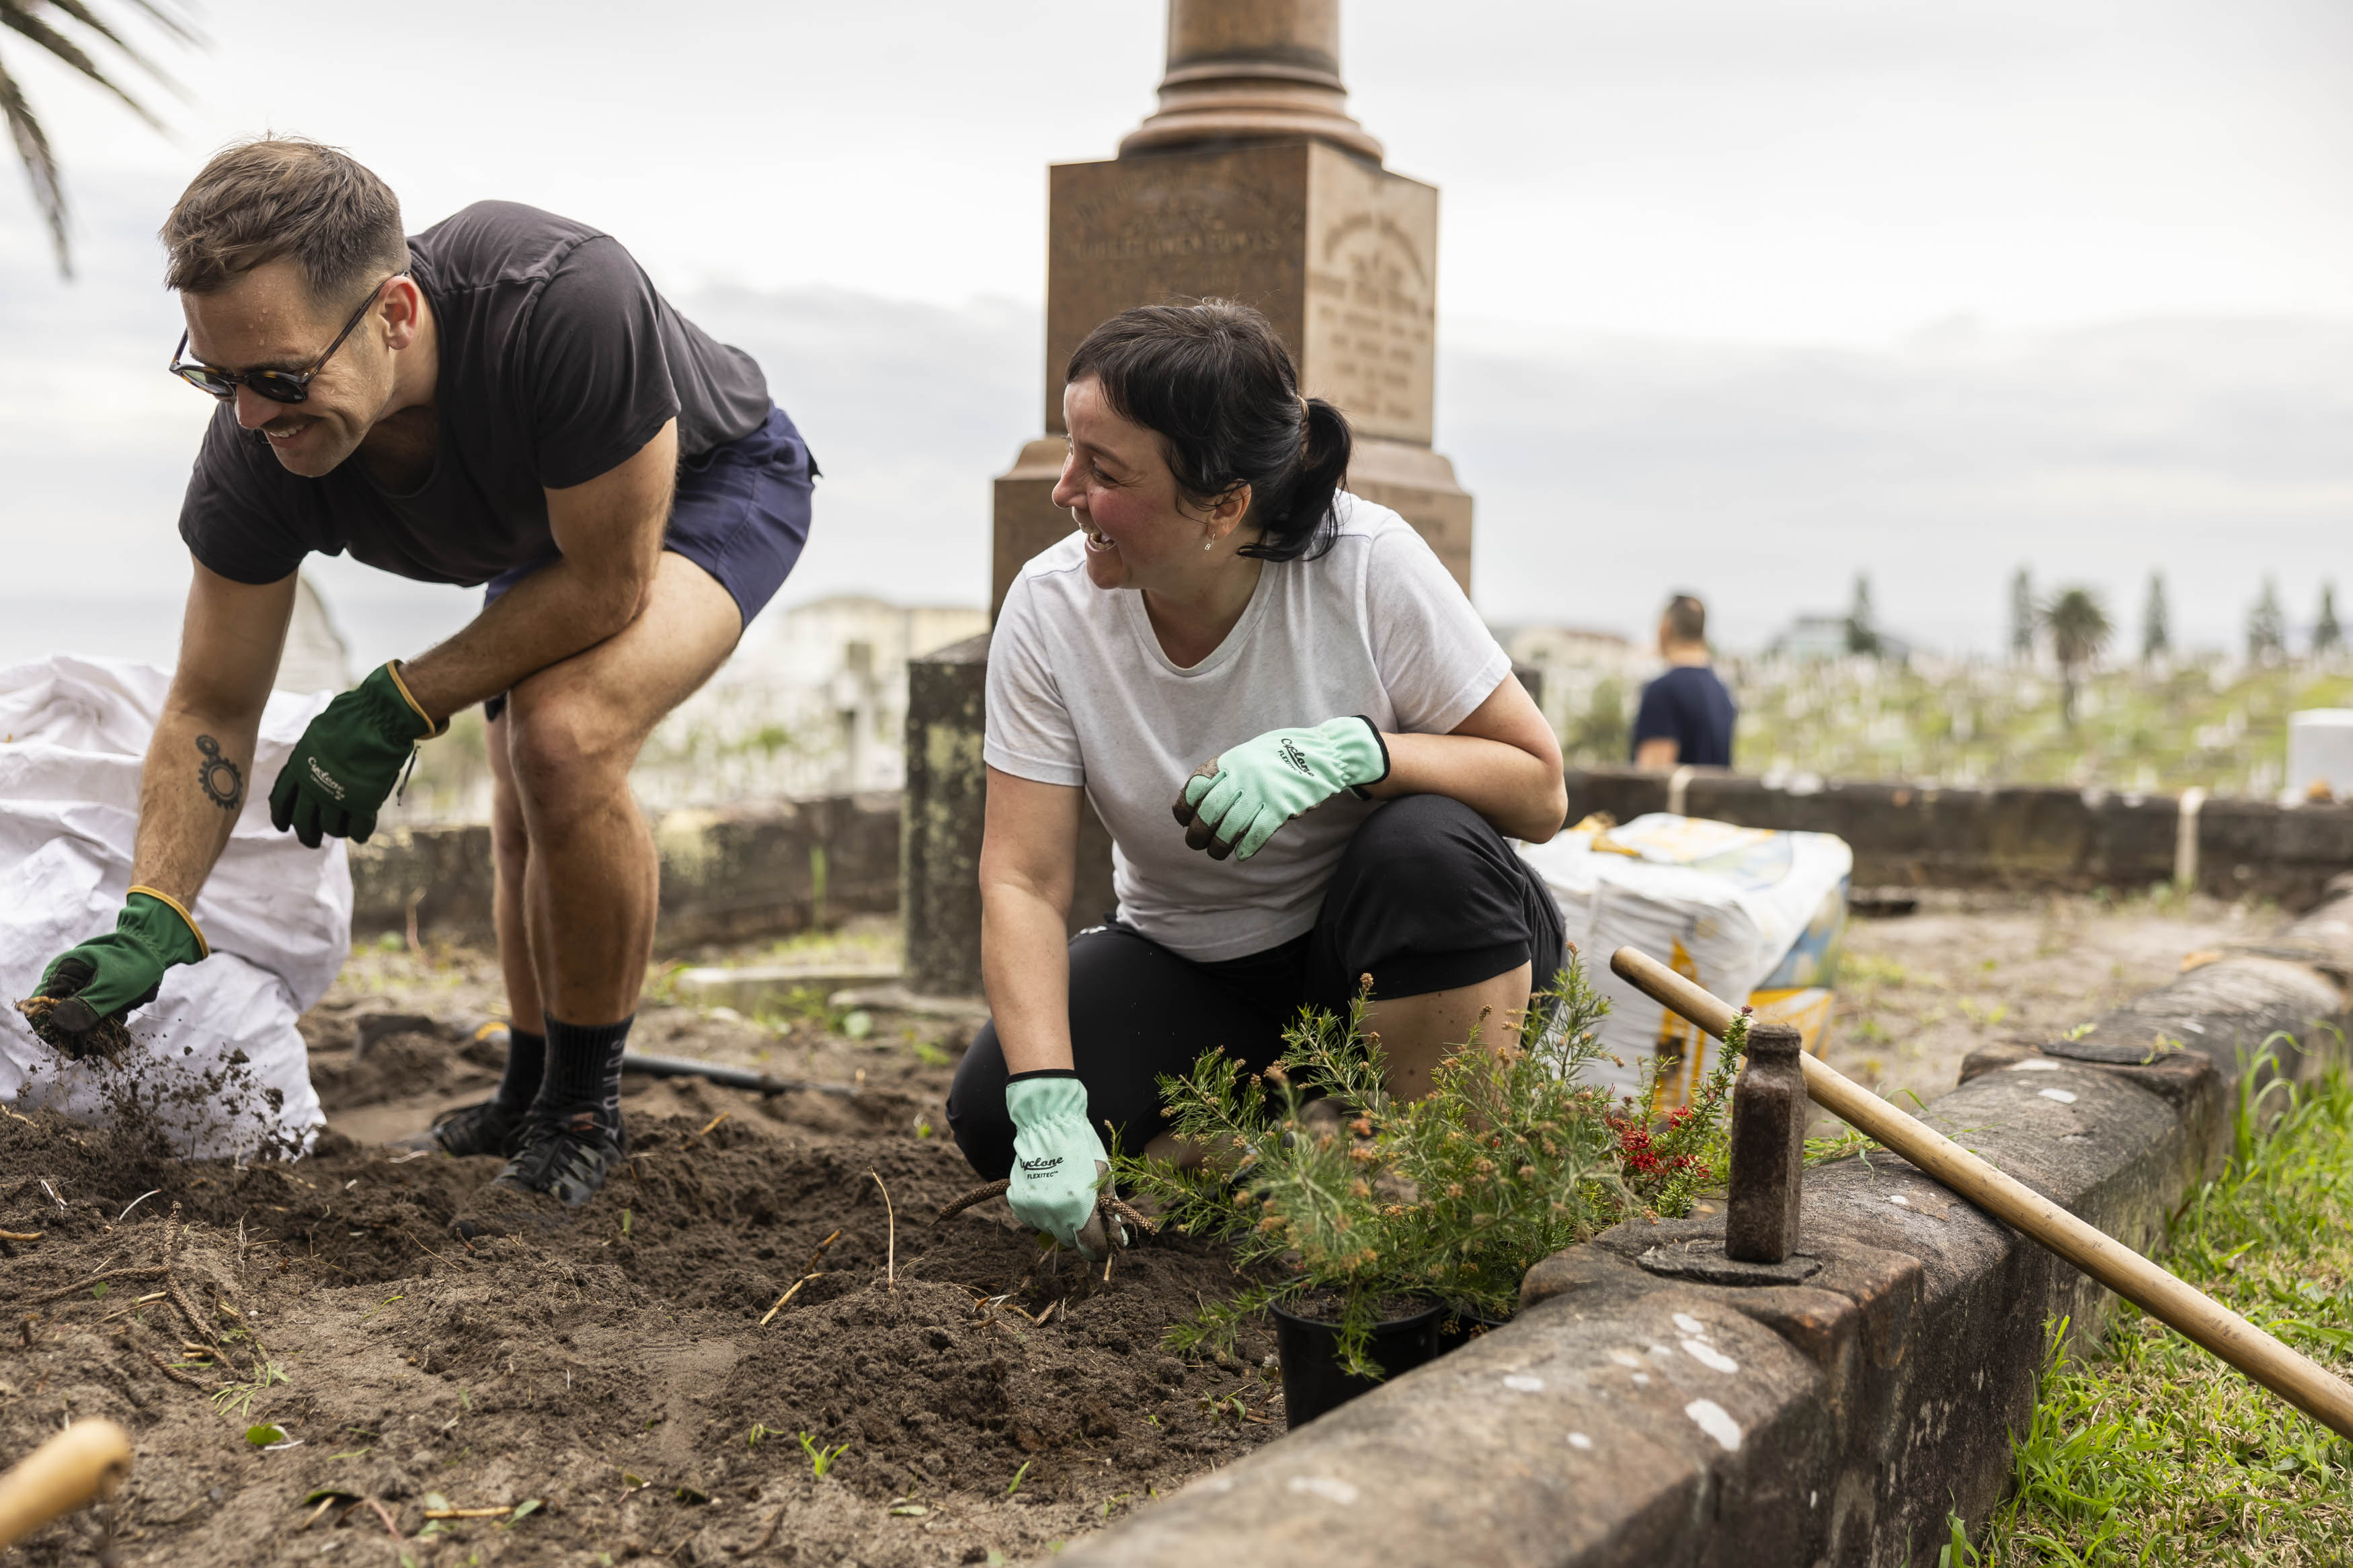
(40, 165)
(18, 17)
(80, 11)
(32, 148)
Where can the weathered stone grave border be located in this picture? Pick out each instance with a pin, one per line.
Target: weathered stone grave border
(746, 872)
(2026, 837)
(735, 874)
(1627, 1417)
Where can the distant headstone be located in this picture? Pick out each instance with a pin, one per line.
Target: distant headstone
(2320, 753)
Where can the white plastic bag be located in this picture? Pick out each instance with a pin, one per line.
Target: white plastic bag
(222, 1070)
(1734, 908)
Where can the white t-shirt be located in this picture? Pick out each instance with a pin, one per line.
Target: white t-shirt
(1080, 692)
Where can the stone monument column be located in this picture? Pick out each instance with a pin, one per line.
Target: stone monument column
(1251, 181)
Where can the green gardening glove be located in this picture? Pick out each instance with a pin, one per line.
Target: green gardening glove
(1235, 801)
(349, 759)
(1059, 1163)
(107, 977)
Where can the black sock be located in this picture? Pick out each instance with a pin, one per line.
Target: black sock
(584, 1071)
(526, 1062)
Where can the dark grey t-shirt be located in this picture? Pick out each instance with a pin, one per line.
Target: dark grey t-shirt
(558, 362)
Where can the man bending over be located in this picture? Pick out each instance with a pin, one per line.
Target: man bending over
(502, 399)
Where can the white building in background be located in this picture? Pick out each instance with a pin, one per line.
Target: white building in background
(1590, 681)
(1576, 647)
(1825, 636)
(813, 703)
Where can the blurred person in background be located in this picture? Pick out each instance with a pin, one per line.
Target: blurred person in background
(1687, 715)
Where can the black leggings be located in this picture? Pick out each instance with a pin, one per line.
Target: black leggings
(1428, 898)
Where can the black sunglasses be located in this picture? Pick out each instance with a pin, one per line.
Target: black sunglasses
(277, 385)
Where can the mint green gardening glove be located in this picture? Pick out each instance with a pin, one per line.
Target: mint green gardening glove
(349, 759)
(107, 977)
(1235, 801)
(1059, 1163)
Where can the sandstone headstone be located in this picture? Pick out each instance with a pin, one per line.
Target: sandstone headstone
(1252, 183)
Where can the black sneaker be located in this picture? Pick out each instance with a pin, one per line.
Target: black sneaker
(557, 1167)
(487, 1128)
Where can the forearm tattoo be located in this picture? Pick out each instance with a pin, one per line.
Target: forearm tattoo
(224, 785)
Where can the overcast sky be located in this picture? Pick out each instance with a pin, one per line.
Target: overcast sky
(1743, 295)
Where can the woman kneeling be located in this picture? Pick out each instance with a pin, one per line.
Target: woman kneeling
(1368, 751)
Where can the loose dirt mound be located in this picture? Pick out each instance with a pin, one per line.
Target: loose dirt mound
(985, 1397)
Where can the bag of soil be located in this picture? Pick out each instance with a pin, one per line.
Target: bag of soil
(219, 1070)
(1745, 911)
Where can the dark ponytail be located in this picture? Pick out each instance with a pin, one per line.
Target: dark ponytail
(1216, 385)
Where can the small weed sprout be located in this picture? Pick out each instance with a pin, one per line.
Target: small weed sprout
(236, 1400)
(1015, 1484)
(821, 1458)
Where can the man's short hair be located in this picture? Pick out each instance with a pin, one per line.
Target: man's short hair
(1686, 619)
(285, 197)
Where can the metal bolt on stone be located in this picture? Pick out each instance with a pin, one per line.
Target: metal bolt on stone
(1769, 1147)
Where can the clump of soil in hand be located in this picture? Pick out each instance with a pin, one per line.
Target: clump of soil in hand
(110, 1039)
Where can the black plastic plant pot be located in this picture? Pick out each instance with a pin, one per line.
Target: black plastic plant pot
(1312, 1378)
(1457, 1326)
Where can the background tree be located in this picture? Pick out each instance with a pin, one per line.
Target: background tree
(1599, 735)
(1862, 624)
(2327, 637)
(2021, 616)
(2079, 629)
(2156, 624)
(41, 21)
(2266, 628)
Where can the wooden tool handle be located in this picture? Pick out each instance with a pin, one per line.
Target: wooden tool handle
(73, 1470)
(2298, 1379)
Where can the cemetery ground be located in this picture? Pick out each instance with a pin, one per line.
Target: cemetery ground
(1917, 992)
(629, 1386)
(927, 1394)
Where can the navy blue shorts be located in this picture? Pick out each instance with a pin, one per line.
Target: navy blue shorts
(739, 511)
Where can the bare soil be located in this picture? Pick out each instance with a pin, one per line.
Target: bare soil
(987, 1400)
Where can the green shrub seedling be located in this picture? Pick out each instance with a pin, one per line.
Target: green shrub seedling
(820, 1460)
(1509, 1158)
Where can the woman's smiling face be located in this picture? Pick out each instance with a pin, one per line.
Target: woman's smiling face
(1117, 486)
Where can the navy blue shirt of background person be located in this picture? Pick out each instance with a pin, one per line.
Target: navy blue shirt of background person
(1689, 706)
